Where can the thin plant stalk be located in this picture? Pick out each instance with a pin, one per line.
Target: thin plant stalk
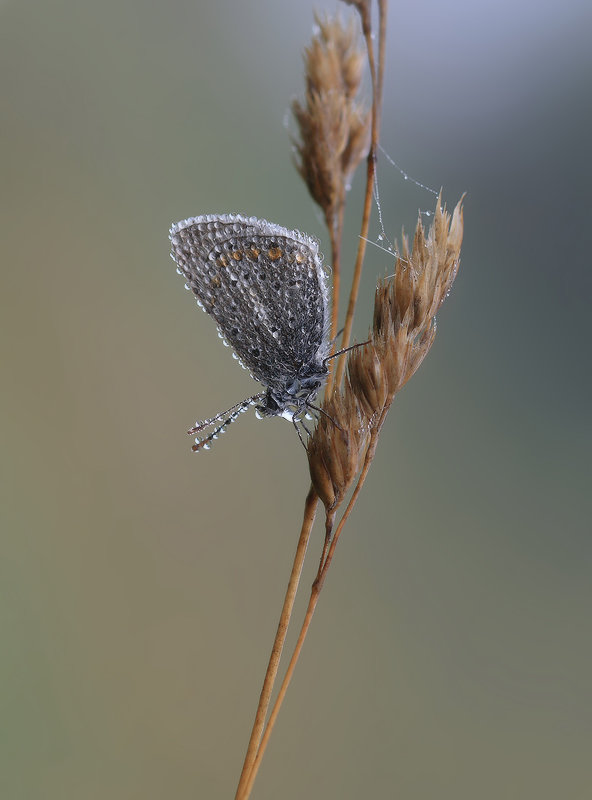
(326, 559)
(281, 694)
(310, 508)
(370, 172)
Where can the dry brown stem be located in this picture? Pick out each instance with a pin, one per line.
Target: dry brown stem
(280, 638)
(363, 8)
(333, 138)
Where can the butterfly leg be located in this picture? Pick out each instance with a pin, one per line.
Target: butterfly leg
(295, 424)
(200, 425)
(234, 412)
(322, 411)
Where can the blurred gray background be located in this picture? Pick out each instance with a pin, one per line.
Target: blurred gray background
(140, 585)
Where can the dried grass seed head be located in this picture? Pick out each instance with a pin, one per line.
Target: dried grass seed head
(337, 446)
(405, 305)
(367, 380)
(334, 128)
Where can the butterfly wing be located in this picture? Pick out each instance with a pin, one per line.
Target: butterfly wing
(265, 287)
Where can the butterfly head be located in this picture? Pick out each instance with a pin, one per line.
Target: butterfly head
(294, 395)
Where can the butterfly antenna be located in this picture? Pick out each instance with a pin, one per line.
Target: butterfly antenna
(233, 412)
(345, 350)
(336, 337)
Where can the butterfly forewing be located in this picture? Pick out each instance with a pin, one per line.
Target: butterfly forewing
(265, 287)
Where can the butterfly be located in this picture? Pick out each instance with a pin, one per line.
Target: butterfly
(265, 287)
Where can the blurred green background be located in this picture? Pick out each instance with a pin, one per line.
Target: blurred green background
(140, 585)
